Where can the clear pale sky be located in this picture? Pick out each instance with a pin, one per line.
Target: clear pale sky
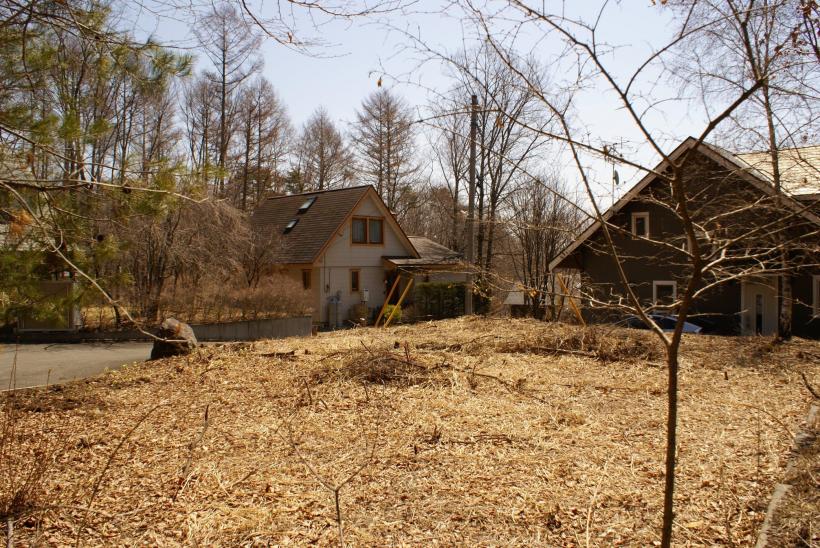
(340, 76)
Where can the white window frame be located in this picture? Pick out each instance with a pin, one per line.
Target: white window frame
(640, 215)
(656, 283)
(815, 289)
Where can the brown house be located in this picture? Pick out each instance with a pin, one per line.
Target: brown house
(741, 220)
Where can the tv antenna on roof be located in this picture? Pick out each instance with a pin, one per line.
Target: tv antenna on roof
(611, 152)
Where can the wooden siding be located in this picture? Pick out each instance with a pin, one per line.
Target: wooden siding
(712, 189)
(341, 255)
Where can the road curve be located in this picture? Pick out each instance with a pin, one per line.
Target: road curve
(39, 364)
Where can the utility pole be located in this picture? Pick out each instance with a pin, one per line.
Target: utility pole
(470, 247)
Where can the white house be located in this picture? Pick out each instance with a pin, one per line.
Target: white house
(347, 249)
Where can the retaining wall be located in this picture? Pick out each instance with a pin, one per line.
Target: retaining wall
(251, 330)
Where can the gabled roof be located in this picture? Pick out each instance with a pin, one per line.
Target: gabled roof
(316, 226)
(430, 254)
(721, 156)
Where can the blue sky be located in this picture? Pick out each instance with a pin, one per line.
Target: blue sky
(360, 51)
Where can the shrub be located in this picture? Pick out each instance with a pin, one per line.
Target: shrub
(389, 310)
(272, 297)
(437, 300)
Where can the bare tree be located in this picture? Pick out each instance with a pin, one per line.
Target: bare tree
(429, 213)
(384, 138)
(321, 157)
(200, 116)
(264, 138)
(284, 21)
(508, 131)
(232, 46)
(542, 223)
(176, 248)
(810, 11)
(449, 145)
(713, 254)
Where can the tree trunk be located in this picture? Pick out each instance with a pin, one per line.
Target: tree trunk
(784, 324)
(454, 231)
(117, 316)
(784, 286)
(671, 443)
(223, 100)
(481, 226)
(245, 174)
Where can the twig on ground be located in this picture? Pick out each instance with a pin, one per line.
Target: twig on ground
(809, 387)
(192, 447)
(334, 488)
(591, 508)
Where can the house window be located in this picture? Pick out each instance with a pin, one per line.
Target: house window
(816, 293)
(640, 224)
(367, 230)
(354, 281)
(374, 231)
(359, 231)
(306, 205)
(290, 225)
(664, 292)
(306, 279)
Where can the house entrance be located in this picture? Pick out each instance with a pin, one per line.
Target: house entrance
(758, 302)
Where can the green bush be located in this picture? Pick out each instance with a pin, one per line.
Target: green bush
(389, 310)
(437, 300)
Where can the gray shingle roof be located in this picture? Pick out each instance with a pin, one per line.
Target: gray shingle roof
(430, 253)
(314, 228)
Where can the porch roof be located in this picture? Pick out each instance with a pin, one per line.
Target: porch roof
(431, 255)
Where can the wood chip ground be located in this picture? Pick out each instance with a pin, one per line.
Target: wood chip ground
(493, 432)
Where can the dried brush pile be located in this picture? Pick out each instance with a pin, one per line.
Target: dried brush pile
(599, 342)
(381, 367)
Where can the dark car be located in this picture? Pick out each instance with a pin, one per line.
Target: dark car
(667, 323)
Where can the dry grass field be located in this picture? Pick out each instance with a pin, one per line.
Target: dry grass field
(459, 432)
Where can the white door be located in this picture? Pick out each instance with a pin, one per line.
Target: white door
(759, 307)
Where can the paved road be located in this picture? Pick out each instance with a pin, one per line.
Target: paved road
(66, 362)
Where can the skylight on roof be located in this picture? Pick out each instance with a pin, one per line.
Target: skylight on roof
(290, 225)
(305, 206)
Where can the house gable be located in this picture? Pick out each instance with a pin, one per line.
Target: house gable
(732, 204)
(739, 170)
(300, 227)
(341, 250)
